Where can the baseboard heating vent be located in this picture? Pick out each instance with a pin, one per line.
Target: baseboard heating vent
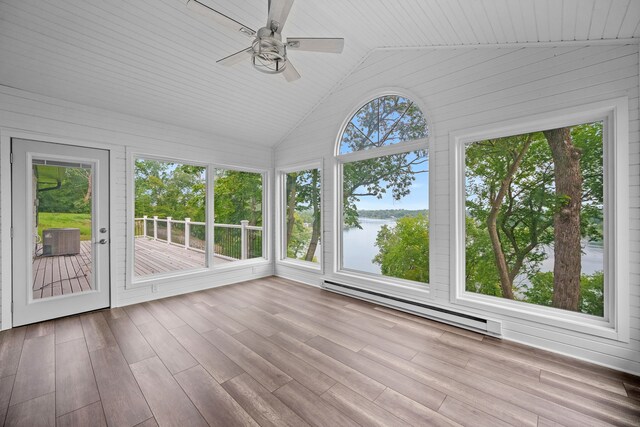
(462, 320)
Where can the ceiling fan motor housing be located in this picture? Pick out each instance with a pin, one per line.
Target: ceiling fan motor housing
(269, 53)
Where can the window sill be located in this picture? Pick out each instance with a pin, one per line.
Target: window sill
(570, 321)
(302, 265)
(391, 286)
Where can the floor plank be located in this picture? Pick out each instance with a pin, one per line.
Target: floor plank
(260, 369)
(10, 350)
(121, 397)
(97, 332)
(131, 342)
(354, 379)
(262, 405)
(217, 407)
(68, 329)
(172, 354)
(213, 360)
(168, 402)
(411, 388)
(359, 409)
(90, 415)
(310, 407)
(304, 373)
(75, 383)
(36, 372)
(411, 411)
(468, 415)
(6, 387)
(37, 412)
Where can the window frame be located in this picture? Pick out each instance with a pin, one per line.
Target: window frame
(281, 258)
(266, 239)
(614, 116)
(133, 282)
(387, 284)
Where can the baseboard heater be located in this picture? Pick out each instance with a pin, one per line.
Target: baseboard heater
(439, 314)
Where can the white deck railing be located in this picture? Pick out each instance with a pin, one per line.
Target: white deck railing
(231, 241)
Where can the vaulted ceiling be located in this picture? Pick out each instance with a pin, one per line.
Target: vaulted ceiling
(155, 59)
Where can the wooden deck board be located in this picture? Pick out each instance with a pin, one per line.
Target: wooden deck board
(62, 275)
(279, 375)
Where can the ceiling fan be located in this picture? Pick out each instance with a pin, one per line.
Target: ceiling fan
(268, 52)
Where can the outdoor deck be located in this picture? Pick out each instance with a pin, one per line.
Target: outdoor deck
(60, 275)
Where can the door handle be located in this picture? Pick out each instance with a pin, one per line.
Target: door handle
(102, 241)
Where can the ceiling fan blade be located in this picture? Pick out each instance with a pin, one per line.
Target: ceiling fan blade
(220, 18)
(315, 44)
(236, 57)
(278, 12)
(290, 73)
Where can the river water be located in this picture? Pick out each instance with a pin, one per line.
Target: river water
(359, 249)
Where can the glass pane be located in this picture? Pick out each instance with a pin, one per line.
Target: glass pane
(238, 216)
(303, 215)
(384, 121)
(534, 224)
(386, 216)
(170, 204)
(62, 214)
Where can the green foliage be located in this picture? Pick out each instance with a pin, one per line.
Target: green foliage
(303, 205)
(404, 249)
(591, 291)
(525, 216)
(169, 189)
(71, 197)
(66, 220)
(391, 213)
(237, 197)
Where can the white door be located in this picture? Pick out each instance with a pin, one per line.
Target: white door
(60, 220)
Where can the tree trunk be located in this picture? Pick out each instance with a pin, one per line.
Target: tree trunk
(566, 221)
(87, 195)
(315, 233)
(291, 204)
(506, 283)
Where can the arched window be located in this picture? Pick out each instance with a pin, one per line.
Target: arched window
(384, 203)
(384, 121)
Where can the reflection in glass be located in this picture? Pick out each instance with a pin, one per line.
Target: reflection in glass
(62, 218)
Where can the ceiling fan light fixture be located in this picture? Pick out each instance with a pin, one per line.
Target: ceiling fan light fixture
(269, 55)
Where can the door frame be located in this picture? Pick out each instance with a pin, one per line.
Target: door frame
(6, 207)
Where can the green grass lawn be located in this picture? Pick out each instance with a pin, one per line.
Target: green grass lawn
(66, 220)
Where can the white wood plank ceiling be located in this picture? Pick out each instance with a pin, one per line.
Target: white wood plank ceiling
(155, 59)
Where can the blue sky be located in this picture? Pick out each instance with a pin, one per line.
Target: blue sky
(417, 199)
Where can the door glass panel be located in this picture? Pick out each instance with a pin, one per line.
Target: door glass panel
(62, 216)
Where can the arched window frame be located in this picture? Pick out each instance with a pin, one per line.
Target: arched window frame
(386, 283)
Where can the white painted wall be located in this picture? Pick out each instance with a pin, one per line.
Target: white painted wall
(462, 88)
(48, 119)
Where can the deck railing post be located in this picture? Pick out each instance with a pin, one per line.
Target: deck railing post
(187, 232)
(155, 227)
(243, 239)
(144, 225)
(169, 229)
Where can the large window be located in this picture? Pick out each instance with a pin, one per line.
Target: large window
(540, 209)
(238, 212)
(302, 215)
(170, 205)
(535, 216)
(385, 191)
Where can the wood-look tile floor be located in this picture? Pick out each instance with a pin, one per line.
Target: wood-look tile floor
(272, 352)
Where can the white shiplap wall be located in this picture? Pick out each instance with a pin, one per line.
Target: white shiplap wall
(466, 87)
(46, 118)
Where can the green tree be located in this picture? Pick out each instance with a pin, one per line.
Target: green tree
(384, 121)
(404, 249)
(512, 189)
